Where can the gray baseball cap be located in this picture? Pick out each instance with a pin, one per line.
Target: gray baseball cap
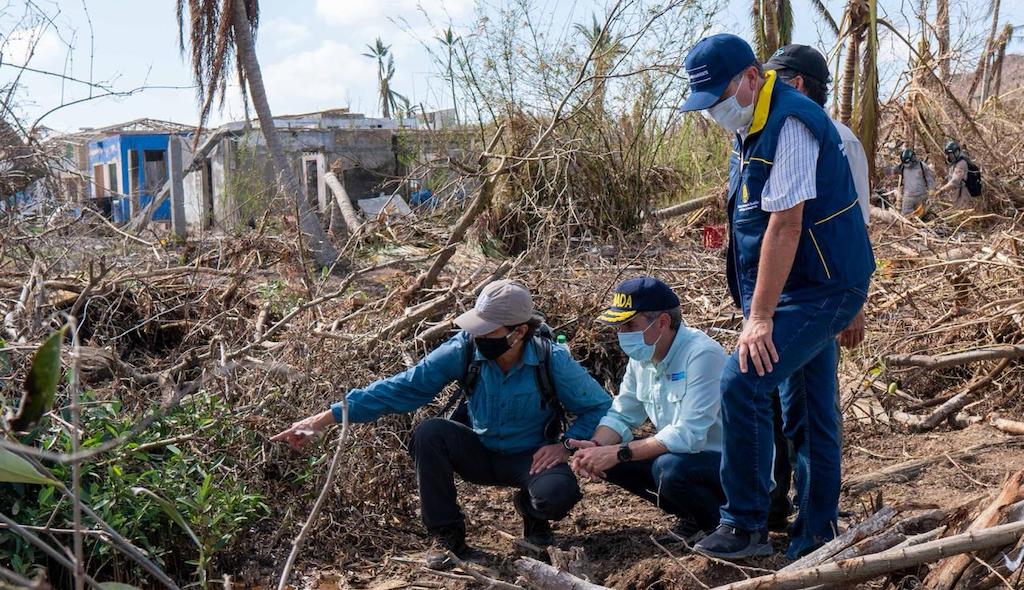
(501, 303)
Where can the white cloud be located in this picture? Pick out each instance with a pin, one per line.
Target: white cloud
(338, 12)
(283, 33)
(37, 46)
(319, 79)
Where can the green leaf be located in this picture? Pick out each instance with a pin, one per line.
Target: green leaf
(41, 383)
(15, 469)
(171, 511)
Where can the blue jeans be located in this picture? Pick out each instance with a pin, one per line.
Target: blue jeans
(805, 338)
(683, 484)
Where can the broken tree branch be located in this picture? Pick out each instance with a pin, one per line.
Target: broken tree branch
(482, 201)
(544, 577)
(348, 212)
(951, 406)
(946, 573)
(688, 206)
(871, 566)
(952, 360)
(909, 470)
(315, 512)
(873, 524)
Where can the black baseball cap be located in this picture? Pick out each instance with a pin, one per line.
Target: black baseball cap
(802, 59)
(636, 295)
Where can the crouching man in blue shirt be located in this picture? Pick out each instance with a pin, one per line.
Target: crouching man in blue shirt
(517, 388)
(672, 379)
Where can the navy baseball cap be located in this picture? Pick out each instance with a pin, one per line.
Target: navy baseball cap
(636, 295)
(712, 63)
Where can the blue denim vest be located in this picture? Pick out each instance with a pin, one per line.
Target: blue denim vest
(834, 253)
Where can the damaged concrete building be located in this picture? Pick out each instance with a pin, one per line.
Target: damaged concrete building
(231, 181)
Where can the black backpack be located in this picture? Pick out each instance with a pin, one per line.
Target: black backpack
(973, 179)
(457, 408)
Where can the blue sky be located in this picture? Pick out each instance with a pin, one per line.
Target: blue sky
(310, 51)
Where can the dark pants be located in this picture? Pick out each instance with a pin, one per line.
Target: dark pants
(441, 448)
(805, 337)
(782, 472)
(684, 484)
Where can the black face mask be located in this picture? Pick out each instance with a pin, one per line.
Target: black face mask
(492, 348)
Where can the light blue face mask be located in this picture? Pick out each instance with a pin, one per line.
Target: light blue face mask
(632, 343)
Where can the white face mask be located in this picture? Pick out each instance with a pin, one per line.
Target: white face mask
(730, 115)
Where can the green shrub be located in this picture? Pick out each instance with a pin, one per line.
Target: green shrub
(204, 487)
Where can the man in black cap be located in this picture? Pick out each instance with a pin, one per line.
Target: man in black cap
(798, 264)
(804, 68)
(672, 379)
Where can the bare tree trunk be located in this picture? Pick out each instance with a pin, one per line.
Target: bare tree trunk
(314, 236)
(989, 57)
(849, 73)
(942, 36)
(771, 28)
(348, 212)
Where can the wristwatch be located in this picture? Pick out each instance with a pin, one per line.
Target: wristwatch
(566, 445)
(624, 454)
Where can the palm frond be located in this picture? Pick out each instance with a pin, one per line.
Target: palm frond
(785, 23)
(211, 46)
(825, 15)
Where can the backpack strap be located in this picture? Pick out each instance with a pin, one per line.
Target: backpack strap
(472, 373)
(545, 382)
(467, 384)
(548, 393)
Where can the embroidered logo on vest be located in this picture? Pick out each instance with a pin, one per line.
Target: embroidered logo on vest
(746, 194)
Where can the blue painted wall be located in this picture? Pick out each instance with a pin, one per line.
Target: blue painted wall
(116, 148)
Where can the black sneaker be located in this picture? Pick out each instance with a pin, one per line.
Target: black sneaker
(731, 543)
(685, 530)
(449, 541)
(536, 531)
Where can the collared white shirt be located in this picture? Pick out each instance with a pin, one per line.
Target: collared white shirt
(793, 177)
(680, 395)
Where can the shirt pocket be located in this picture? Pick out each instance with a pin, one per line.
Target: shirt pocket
(523, 407)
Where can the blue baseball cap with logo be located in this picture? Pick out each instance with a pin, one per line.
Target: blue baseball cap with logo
(636, 295)
(712, 63)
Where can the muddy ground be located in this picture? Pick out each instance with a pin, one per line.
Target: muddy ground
(615, 529)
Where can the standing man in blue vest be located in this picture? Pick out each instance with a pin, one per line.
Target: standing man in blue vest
(799, 262)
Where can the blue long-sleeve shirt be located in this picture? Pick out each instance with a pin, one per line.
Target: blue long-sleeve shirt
(505, 410)
(680, 395)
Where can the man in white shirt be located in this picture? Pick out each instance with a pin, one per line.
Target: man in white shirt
(673, 379)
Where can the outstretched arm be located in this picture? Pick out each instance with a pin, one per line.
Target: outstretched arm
(405, 392)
